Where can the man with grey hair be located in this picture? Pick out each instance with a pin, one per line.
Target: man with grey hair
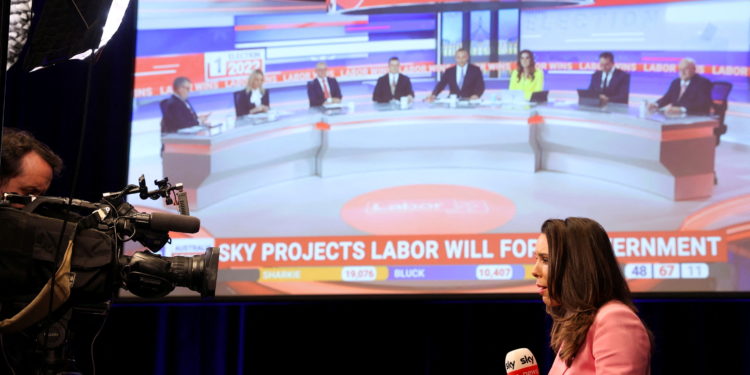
(177, 111)
(690, 93)
(323, 89)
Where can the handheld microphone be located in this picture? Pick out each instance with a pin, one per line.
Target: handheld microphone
(521, 362)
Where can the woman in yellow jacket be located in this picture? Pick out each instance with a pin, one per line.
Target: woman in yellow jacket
(526, 77)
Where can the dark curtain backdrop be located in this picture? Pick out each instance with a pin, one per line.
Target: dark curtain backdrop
(50, 104)
(334, 336)
(385, 336)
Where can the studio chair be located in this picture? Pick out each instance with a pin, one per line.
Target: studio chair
(163, 107)
(720, 95)
(237, 95)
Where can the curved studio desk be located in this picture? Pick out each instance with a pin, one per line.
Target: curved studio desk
(670, 157)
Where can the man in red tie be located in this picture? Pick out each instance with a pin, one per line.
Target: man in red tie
(323, 89)
(690, 93)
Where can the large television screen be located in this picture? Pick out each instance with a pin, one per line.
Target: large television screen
(448, 196)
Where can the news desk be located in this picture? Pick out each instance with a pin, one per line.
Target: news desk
(670, 157)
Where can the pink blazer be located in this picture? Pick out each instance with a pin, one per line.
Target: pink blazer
(617, 343)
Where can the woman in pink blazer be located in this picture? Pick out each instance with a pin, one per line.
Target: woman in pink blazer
(595, 327)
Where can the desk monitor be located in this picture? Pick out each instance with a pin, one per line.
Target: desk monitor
(539, 96)
(589, 98)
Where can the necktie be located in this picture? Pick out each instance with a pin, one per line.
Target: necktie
(604, 80)
(326, 93)
(393, 85)
(683, 87)
(460, 77)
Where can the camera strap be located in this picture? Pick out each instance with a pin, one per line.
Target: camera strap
(57, 290)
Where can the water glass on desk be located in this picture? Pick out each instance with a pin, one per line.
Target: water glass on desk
(404, 101)
(643, 110)
(229, 122)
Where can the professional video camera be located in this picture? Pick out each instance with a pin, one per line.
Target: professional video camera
(100, 231)
(40, 236)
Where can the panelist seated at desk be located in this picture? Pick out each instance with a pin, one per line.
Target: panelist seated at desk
(612, 84)
(394, 85)
(323, 89)
(690, 93)
(254, 98)
(526, 77)
(463, 79)
(177, 112)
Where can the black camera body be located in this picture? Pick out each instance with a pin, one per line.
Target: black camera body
(29, 256)
(34, 236)
(33, 239)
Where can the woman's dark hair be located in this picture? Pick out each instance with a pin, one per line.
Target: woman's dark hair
(532, 66)
(583, 275)
(16, 144)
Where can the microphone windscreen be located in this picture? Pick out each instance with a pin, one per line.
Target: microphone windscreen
(174, 223)
(521, 362)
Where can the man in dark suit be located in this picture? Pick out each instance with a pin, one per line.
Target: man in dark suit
(612, 84)
(463, 79)
(323, 89)
(394, 85)
(177, 112)
(690, 93)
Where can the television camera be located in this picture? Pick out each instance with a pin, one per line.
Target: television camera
(39, 234)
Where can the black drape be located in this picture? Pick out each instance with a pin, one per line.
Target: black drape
(415, 336)
(50, 104)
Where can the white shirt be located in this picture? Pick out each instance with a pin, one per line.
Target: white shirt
(393, 79)
(392, 82)
(607, 77)
(461, 73)
(683, 87)
(256, 97)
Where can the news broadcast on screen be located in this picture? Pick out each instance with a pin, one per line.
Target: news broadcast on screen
(310, 184)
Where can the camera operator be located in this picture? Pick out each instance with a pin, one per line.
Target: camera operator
(27, 167)
(53, 303)
(26, 164)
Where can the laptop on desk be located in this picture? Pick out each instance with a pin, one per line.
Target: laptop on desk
(539, 96)
(589, 98)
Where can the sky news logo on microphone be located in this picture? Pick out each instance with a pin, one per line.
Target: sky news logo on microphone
(521, 362)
